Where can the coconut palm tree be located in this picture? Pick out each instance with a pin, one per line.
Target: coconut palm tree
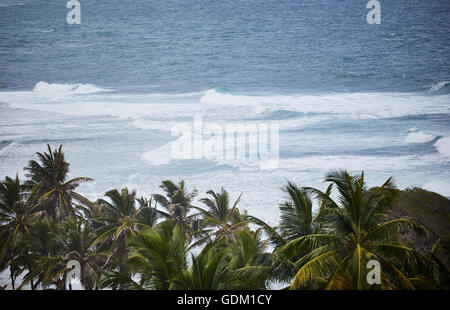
(178, 203)
(16, 216)
(51, 246)
(297, 219)
(355, 231)
(240, 265)
(251, 262)
(39, 255)
(16, 213)
(76, 239)
(158, 256)
(210, 270)
(220, 220)
(158, 260)
(56, 193)
(121, 219)
(296, 214)
(149, 215)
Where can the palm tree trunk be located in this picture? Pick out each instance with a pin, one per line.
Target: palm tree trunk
(13, 279)
(123, 266)
(123, 255)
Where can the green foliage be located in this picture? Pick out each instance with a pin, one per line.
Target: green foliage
(356, 231)
(49, 177)
(123, 242)
(178, 204)
(220, 221)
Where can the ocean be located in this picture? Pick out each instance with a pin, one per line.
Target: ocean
(344, 94)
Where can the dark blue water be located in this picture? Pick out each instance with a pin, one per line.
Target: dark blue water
(287, 46)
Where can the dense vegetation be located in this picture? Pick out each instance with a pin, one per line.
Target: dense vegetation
(169, 242)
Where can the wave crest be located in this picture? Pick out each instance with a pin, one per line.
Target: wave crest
(440, 86)
(43, 87)
(443, 146)
(419, 137)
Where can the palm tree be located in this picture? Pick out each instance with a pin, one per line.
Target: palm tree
(55, 191)
(210, 271)
(76, 238)
(354, 232)
(250, 260)
(40, 255)
(121, 220)
(158, 256)
(51, 246)
(178, 203)
(297, 219)
(149, 215)
(220, 221)
(158, 260)
(16, 216)
(221, 266)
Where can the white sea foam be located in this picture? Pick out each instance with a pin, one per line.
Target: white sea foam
(43, 87)
(325, 163)
(153, 124)
(356, 105)
(357, 163)
(16, 148)
(159, 156)
(443, 146)
(8, 3)
(419, 137)
(66, 99)
(438, 186)
(439, 85)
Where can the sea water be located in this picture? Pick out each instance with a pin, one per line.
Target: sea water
(344, 93)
